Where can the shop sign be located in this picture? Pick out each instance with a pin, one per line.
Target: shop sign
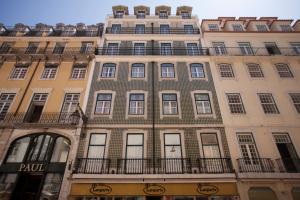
(31, 167)
(100, 189)
(154, 189)
(207, 189)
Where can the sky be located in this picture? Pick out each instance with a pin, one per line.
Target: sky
(31, 12)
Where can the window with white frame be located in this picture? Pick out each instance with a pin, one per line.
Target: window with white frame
(136, 104)
(268, 104)
(202, 102)
(49, 71)
(141, 14)
(19, 71)
(226, 70)
(86, 47)
(185, 15)
(286, 28)
(261, 28)
(68, 31)
(140, 29)
(5, 47)
(284, 70)
(79, 71)
(210, 145)
(167, 70)
(255, 70)
(134, 146)
(172, 145)
(164, 29)
(138, 70)
(237, 27)
(103, 104)
(32, 47)
(112, 49)
(165, 49)
(213, 27)
(70, 104)
(188, 29)
(235, 103)
(108, 70)
(59, 48)
(192, 49)
(296, 100)
(220, 48)
(197, 70)
(272, 48)
(248, 149)
(296, 47)
(5, 101)
(119, 14)
(163, 15)
(97, 145)
(116, 28)
(139, 49)
(169, 103)
(246, 48)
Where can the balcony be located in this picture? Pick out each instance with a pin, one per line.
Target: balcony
(150, 30)
(258, 165)
(156, 51)
(253, 51)
(146, 166)
(50, 119)
(289, 165)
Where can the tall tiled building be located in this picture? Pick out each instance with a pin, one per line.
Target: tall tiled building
(158, 107)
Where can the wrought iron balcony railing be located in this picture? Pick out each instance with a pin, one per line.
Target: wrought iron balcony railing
(255, 165)
(215, 165)
(134, 166)
(290, 165)
(150, 30)
(253, 51)
(92, 166)
(174, 166)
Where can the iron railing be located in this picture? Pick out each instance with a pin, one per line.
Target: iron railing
(173, 166)
(134, 166)
(150, 30)
(255, 165)
(290, 165)
(92, 166)
(252, 51)
(215, 165)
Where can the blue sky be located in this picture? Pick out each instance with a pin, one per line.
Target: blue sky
(31, 12)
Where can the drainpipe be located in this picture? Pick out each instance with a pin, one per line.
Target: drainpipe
(153, 107)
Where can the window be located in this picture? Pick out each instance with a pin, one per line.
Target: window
(61, 150)
(235, 103)
(213, 27)
(197, 70)
(119, 14)
(286, 28)
(113, 49)
(70, 104)
(5, 47)
(86, 47)
(296, 47)
(116, 28)
(79, 71)
(108, 70)
(97, 145)
(170, 106)
(5, 101)
(192, 49)
(246, 48)
(135, 146)
(172, 145)
(36, 107)
(248, 149)
(136, 104)
(163, 15)
(296, 100)
(185, 15)
(139, 48)
(165, 49)
(261, 28)
(237, 27)
(138, 70)
(68, 31)
(226, 71)
(49, 71)
(255, 70)
(103, 104)
(19, 71)
(164, 29)
(284, 70)
(220, 48)
(59, 48)
(167, 70)
(141, 14)
(18, 150)
(140, 29)
(92, 31)
(32, 47)
(272, 48)
(210, 145)
(268, 104)
(202, 103)
(188, 29)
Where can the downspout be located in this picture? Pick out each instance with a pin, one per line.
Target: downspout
(153, 107)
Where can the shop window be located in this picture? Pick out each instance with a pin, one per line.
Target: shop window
(61, 150)
(296, 193)
(7, 182)
(261, 193)
(51, 186)
(18, 150)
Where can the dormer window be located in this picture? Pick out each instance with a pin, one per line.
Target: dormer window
(68, 31)
(185, 15)
(92, 31)
(286, 28)
(119, 14)
(213, 27)
(237, 27)
(163, 15)
(261, 28)
(141, 14)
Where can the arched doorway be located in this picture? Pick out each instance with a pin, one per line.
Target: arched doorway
(34, 167)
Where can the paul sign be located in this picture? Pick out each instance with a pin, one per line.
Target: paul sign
(31, 167)
(207, 189)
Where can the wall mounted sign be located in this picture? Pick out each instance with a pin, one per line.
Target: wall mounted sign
(31, 167)
(100, 189)
(207, 189)
(154, 189)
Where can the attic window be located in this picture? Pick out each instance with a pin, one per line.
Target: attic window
(163, 14)
(119, 14)
(185, 15)
(141, 14)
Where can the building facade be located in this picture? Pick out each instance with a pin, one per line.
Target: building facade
(157, 107)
